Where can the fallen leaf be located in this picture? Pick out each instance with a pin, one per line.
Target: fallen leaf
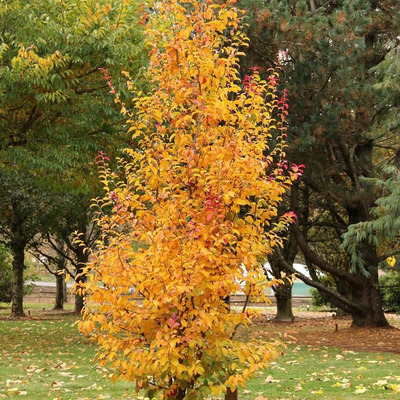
(270, 379)
(360, 390)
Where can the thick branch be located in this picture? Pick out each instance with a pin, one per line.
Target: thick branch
(341, 301)
(320, 262)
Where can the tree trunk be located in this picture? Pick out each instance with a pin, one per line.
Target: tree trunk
(283, 295)
(369, 297)
(18, 250)
(61, 262)
(59, 302)
(179, 395)
(373, 315)
(79, 298)
(283, 292)
(368, 294)
(65, 291)
(231, 395)
(79, 302)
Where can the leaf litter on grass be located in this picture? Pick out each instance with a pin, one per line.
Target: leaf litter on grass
(49, 359)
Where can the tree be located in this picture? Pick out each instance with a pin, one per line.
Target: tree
(328, 51)
(57, 244)
(193, 217)
(383, 228)
(283, 290)
(55, 264)
(55, 110)
(24, 210)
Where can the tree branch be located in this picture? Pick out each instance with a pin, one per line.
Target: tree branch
(320, 262)
(344, 302)
(388, 254)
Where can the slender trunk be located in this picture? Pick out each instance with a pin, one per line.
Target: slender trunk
(231, 395)
(283, 295)
(18, 250)
(65, 290)
(180, 394)
(79, 300)
(61, 262)
(80, 279)
(59, 301)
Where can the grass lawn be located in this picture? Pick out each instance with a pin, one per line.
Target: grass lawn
(49, 359)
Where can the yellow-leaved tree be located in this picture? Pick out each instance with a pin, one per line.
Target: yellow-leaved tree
(194, 216)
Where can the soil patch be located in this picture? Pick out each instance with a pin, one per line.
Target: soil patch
(320, 329)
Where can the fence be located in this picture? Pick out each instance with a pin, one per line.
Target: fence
(45, 294)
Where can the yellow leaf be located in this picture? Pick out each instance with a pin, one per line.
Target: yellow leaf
(391, 261)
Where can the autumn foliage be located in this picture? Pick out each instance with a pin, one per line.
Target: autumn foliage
(196, 214)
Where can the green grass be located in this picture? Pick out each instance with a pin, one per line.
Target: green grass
(306, 372)
(49, 359)
(36, 309)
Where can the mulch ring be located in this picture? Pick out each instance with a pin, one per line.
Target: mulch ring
(318, 329)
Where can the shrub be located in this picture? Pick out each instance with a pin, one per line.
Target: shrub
(195, 214)
(390, 285)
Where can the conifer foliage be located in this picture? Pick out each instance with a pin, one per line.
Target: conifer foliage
(194, 216)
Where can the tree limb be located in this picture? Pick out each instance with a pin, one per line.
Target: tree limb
(388, 254)
(320, 262)
(344, 302)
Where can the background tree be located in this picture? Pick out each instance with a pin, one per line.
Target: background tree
(25, 210)
(55, 111)
(194, 215)
(283, 290)
(57, 243)
(384, 227)
(328, 51)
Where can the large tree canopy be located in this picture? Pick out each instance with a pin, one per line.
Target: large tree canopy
(55, 111)
(329, 52)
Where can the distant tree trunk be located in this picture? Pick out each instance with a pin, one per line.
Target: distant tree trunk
(79, 303)
(18, 251)
(82, 260)
(60, 278)
(283, 295)
(65, 291)
(59, 301)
